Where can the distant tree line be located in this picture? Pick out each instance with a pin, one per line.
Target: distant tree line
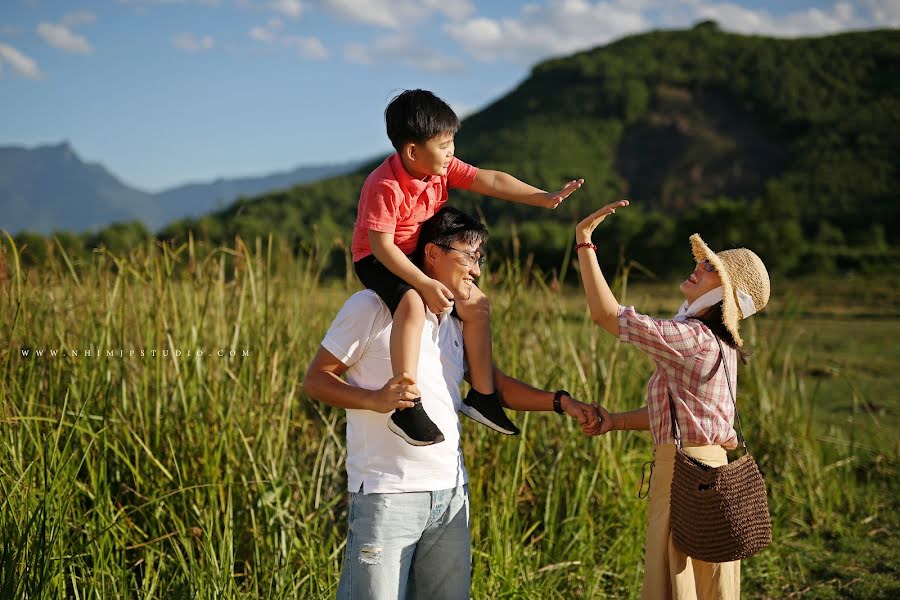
(786, 146)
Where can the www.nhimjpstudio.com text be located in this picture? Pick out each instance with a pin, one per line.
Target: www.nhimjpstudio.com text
(95, 353)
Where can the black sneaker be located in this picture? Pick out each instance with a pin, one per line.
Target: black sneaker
(486, 409)
(415, 426)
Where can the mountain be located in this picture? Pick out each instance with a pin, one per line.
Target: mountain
(201, 198)
(50, 188)
(786, 145)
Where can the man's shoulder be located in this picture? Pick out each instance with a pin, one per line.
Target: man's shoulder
(365, 302)
(362, 316)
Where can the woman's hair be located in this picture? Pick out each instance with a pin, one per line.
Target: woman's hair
(712, 318)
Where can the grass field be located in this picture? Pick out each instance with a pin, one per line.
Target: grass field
(213, 477)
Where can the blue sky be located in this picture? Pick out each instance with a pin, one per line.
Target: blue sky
(168, 91)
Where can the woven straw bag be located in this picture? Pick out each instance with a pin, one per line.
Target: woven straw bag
(718, 514)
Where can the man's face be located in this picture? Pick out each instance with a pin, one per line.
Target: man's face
(431, 157)
(456, 266)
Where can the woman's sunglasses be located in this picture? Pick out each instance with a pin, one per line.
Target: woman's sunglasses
(707, 266)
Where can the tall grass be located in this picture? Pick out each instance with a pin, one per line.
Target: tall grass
(186, 476)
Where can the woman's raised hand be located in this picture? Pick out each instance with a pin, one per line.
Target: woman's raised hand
(585, 228)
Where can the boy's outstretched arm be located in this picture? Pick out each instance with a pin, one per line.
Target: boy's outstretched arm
(506, 187)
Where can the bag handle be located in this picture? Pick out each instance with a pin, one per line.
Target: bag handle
(676, 429)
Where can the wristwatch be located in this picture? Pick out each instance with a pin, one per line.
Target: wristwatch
(557, 400)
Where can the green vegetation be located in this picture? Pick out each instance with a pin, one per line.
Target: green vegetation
(214, 477)
(787, 146)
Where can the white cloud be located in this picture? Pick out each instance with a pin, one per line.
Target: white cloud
(189, 43)
(271, 34)
(404, 50)
(558, 27)
(261, 34)
(84, 17)
(147, 2)
(60, 36)
(554, 28)
(268, 33)
(358, 53)
(395, 14)
(810, 21)
(289, 8)
(19, 63)
(885, 13)
(310, 48)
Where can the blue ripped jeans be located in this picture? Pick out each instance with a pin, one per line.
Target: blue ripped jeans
(408, 545)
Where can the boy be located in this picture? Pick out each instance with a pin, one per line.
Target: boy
(396, 198)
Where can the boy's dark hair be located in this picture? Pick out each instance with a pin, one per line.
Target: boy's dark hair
(417, 116)
(449, 225)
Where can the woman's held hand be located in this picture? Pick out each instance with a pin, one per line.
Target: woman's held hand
(585, 228)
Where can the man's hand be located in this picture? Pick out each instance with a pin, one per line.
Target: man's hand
(436, 295)
(398, 393)
(586, 415)
(555, 198)
(605, 422)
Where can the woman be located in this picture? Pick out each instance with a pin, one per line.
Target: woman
(724, 288)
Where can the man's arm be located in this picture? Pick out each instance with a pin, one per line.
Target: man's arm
(518, 395)
(498, 184)
(323, 383)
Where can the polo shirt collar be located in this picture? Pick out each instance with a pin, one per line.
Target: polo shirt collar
(408, 183)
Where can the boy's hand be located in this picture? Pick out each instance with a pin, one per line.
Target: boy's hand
(555, 198)
(437, 296)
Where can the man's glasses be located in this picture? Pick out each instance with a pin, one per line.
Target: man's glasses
(707, 266)
(471, 258)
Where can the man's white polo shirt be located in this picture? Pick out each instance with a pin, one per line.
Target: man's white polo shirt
(377, 459)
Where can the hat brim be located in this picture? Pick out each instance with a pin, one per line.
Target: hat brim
(731, 315)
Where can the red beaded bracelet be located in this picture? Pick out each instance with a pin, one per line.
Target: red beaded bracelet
(585, 245)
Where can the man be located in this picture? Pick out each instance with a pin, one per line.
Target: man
(409, 505)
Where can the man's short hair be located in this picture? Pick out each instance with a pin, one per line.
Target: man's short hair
(447, 226)
(417, 116)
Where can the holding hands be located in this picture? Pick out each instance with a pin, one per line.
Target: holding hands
(592, 422)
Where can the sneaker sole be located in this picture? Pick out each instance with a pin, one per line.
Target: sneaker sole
(480, 418)
(413, 442)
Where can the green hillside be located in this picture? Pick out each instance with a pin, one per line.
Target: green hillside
(786, 145)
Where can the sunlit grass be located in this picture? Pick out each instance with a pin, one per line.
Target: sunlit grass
(213, 476)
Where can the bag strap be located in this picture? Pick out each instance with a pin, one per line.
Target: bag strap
(737, 414)
(676, 429)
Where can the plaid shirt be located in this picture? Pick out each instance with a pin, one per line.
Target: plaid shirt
(688, 363)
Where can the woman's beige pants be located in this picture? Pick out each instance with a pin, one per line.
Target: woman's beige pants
(668, 572)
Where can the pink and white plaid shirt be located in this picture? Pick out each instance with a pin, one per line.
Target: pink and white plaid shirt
(687, 363)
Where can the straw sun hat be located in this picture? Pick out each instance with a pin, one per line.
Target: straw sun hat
(745, 282)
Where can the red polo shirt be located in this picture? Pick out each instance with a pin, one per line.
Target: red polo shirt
(392, 201)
